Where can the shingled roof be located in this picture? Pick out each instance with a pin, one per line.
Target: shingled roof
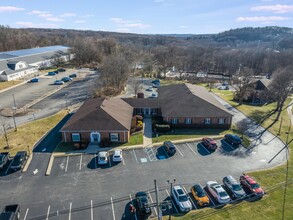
(101, 114)
(187, 100)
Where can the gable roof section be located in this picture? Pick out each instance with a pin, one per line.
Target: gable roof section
(186, 100)
(101, 115)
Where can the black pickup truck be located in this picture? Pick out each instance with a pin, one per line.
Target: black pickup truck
(10, 212)
(4, 157)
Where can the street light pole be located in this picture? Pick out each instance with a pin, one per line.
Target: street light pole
(171, 184)
(157, 199)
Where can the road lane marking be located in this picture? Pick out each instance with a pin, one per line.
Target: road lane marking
(191, 149)
(8, 168)
(204, 148)
(80, 162)
(179, 150)
(24, 218)
(172, 201)
(152, 202)
(70, 206)
(133, 205)
(189, 197)
(48, 212)
(66, 164)
(113, 208)
(135, 155)
(92, 211)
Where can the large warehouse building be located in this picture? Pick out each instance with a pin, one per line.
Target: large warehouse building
(19, 64)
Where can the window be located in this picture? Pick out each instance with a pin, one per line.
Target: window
(221, 121)
(75, 137)
(188, 121)
(114, 137)
(174, 121)
(207, 121)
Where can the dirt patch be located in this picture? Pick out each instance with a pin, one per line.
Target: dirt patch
(8, 112)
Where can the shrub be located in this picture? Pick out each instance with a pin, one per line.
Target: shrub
(139, 118)
(139, 124)
(138, 128)
(162, 128)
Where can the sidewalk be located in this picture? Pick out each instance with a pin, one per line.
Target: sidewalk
(147, 132)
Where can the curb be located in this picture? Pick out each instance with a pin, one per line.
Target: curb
(49, 167)
(28, 162)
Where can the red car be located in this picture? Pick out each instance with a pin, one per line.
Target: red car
(251, 185)
(210, 143)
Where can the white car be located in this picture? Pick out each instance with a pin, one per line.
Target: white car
(117, 156)
(181, 199)
(218, 192)
(102, 158)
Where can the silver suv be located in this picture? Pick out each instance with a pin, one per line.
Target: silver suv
(234, 187)
(181, 199)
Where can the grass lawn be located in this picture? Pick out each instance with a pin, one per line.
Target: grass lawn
(4, 85)
(26, 135)
(135, 139)
(64, 147)
(269, 207)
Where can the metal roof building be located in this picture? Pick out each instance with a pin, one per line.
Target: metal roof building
(19, 64)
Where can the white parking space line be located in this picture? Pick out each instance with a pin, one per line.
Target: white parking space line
(80, 162)
(172, 201)
(113, 208)
(8, 168)
(110, 161)
(48, 212)
(229, 146)
(179, 151)
(209, 197)
(92, 211)
(70, 206)
(123, 160)
(135, 155)
(191, 148)
(204, 148)
(133, 205)
(190, 198)
(153, 202)
(24, 218)
(66, 167)
(165, 152)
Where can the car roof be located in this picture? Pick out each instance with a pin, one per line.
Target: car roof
(141, 194)
(231, 179)
(117, 152)
(102, 153)
(198, 187)
(218, 188)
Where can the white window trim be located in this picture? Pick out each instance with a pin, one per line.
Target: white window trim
(221, 121)
(207, 121)
(75, 134)
(174, 121)
(188, 121)
(116, 139)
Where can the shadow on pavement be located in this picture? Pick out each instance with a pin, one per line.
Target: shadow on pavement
(53, 138)
(161, 154)
(228, 147)
(202, 150)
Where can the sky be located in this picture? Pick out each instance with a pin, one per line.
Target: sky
(147, 16)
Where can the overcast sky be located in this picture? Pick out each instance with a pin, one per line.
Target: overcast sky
(147, 16)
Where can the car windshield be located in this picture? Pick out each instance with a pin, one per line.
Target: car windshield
(254, 186)
(223, 194)
(200, 192)
(102, 158)
(236, 187)
(183, 198)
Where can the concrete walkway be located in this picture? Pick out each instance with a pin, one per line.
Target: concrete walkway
(289, 111)
(147, 132)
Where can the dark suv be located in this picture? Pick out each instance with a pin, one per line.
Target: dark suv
(169, 147)
(143, 204)
(233, 139)
(18, 160)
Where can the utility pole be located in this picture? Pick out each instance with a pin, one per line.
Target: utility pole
(171, 184)
(157, 200)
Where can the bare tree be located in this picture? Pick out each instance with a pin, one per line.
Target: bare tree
(57, 61)
(136, 86)
(4, 128)
(242, 126)
(244, 83)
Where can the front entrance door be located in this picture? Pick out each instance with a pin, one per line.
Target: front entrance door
(95, 137)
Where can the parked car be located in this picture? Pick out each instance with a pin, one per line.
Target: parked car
(234, 187)
(18, 160)
(51, 73)
(169, 148)
(156, 85)
(223, 87)
(181, 199)
(143, 204)
(149, 89)
(233, 139)
(58, 82)
(66, 79)
(218, 192)
(210, 143)
(117, 156)
(73, 75)
(103, 158)
(34, 80)
(4, 158)
(200, 195)
(10, 212)
(61, 70)
(251, 185)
